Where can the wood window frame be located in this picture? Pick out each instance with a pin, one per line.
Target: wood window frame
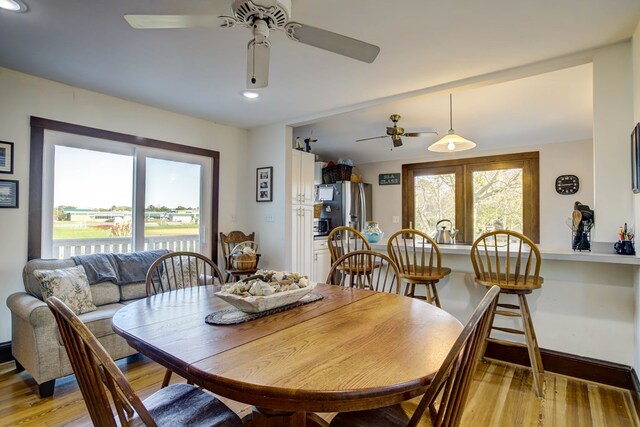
(463, 170)
(36, 164)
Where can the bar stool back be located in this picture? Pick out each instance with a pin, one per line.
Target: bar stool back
(511, 261)
(419, 261)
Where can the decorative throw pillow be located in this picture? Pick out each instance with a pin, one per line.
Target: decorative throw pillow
(182, 268)
(70, 285)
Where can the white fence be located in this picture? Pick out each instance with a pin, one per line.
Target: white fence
(65, 248)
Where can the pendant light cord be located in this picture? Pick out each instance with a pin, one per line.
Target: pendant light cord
(450, 113)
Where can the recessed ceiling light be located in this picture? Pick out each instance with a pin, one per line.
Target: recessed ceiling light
(247, 93)
(13, 5)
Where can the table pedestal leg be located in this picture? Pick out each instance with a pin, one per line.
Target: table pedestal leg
(262, 417)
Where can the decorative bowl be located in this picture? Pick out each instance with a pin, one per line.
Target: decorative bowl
(257, 304)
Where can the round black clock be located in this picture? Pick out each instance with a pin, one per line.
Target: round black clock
(567, 184)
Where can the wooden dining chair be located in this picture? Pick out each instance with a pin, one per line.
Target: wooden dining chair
(511, 261)
(228, 242)
(96, 372)
(342, 240)
(177, 270)
(450, 385)
(365, 269)
(419, 261)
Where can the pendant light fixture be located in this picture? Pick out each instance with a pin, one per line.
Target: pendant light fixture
(451, 142)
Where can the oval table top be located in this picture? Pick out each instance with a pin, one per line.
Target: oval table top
(354, 349)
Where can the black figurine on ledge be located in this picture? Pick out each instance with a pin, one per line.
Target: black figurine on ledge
(582, 218)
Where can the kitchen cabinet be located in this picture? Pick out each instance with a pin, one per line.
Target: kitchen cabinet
(302, 198)
(321, 261)
(302, 176)
(302, 239)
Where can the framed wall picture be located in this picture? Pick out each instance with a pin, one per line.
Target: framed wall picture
(6, 157)
(8, 193)
(264, 184)
(635, 159)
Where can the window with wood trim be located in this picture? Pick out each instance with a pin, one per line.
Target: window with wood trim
(93, 190)
(477, 195)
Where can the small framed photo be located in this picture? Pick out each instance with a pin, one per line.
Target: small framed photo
(8, 193)
(264, 184)
(6, 157)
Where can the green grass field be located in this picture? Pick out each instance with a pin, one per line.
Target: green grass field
(77, 230)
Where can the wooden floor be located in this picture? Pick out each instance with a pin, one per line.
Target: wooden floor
(501, 395)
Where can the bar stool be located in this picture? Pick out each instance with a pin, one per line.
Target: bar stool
(492, 258)
(343, 239)
(419, 261)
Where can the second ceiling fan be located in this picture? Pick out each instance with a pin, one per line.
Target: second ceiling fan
(261, 16)
(396, 132)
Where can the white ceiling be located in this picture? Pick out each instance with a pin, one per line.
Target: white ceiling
(200, 72)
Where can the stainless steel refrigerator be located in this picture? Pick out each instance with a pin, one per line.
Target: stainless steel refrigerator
(345, 203)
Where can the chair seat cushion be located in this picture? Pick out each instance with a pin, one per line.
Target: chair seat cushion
(187, 405)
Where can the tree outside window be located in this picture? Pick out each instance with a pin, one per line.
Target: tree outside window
(477, 194)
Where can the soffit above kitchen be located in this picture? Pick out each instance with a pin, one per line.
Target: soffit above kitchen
(546, 108)
(201, 71)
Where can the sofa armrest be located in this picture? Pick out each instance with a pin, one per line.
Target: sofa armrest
(30, 309)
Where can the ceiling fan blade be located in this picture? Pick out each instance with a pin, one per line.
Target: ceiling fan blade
(333, 42)
(258, 64)
(414, 134)
(172, 21)
(373, 137)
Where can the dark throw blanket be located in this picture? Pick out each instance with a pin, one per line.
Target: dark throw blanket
(99, 267)
(133, 266)
(118, 268)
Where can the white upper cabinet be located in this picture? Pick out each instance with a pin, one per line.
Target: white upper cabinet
(302, 173)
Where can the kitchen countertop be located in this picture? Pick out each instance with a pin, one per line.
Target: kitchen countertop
(547, 254)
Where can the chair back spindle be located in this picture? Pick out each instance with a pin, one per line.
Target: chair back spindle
(506, 258)
(342, 240)
(177, 270)
(365, 269)
(94, 368)
(454, 377)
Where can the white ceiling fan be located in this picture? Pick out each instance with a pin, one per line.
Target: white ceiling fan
(262, 16)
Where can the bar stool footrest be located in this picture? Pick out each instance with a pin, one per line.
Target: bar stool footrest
(507, 343)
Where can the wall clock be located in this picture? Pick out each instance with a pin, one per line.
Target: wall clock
(567, 184)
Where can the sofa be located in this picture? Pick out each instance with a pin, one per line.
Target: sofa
(36, 344)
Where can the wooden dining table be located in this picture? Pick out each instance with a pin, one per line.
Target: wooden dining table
(354, 349)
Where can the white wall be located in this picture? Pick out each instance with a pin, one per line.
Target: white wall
(635, 48)
(270, 146)
(612, 119)
(555, 209)
(23, 96)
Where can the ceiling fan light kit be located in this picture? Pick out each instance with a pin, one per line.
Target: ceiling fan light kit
(451, 142)
(13, 6)
(262, 16)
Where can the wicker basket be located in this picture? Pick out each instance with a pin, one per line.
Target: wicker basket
(336, 173)
(244, 261)
(241, 261)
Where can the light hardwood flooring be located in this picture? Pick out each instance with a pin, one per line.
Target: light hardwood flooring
(501, 395)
